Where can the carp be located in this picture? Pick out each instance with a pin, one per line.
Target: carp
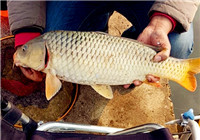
(99, 60)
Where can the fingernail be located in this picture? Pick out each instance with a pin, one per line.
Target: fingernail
(137, 83)
(126, 86)
(149, 79)
(157, 58)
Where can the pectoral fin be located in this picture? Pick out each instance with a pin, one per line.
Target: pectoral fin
(53, 85)
(104, 90)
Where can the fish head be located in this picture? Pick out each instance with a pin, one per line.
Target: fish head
(31, 55)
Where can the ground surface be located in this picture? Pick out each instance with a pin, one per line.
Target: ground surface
(128, 108)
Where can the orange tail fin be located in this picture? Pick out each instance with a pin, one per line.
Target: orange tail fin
(189, 80)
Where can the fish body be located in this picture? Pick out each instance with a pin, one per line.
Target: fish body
(100, 60)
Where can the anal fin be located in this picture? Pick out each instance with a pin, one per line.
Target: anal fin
(103, 90)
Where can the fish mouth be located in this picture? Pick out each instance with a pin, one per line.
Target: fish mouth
(17, 62)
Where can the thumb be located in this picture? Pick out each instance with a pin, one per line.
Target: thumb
(163, 43)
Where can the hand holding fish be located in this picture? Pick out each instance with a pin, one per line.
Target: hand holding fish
(156, 34)
(32, 74)
(99, 60)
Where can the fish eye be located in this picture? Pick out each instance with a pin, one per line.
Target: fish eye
(24, 48)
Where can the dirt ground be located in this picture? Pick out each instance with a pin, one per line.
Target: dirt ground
(128, 108)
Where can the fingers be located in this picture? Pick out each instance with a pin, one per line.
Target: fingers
(26, 72)
(135, 82)
(156, 37)
(126, 86)
(162, 42)
(161, 56)
(32, 74)
(149, 77)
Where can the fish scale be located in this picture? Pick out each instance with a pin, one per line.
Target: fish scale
(127, 55)
(93, 58)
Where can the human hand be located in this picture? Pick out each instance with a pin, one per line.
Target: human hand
(156, 34)
(32, 74)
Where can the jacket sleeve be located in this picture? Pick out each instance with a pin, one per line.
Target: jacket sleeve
(182, 11)
(26, 16)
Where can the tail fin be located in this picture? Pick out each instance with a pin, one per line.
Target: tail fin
(189, 80)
